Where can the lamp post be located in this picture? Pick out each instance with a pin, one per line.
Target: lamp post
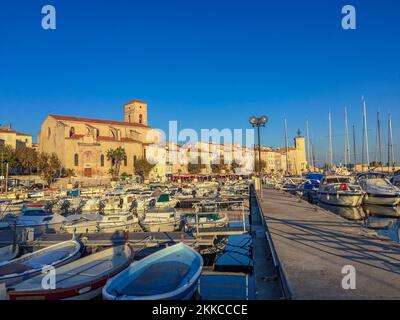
(257, 123)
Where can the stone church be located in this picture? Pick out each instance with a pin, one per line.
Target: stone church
(82, 143)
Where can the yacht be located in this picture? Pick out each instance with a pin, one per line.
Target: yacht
(340, 191)
(379, 190)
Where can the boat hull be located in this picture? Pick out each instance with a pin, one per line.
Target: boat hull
(343, 200)
(13, 278)
(168, 226)
(382, 200)
(169, 274)
(87, 289)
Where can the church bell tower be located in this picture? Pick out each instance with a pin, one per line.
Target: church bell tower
(135, 111)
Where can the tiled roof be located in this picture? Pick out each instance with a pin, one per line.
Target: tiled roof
(7, 130)
(99, 121)
(135, 100)
(23, 134)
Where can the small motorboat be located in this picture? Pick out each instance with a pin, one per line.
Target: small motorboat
(12, 206)
(164, 201)
(31, 264)
(340, 191)
(92, 223)
(39, 220)
(379, 190)
(172, 273)
(206, 220)
(82, 279)
(8, 253)
(82, 223)
(161, 220)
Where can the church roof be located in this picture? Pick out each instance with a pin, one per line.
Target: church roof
(98, 121)
(135, 100)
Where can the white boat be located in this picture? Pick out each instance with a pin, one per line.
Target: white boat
(8, 253)
(165, 201)
(82, 279)
(206, 219)
(379, 190)
(102, 223)
(169, 274)
(31, 264)
(12, 206)
(161, 220)
(39, 220)
(82, 223)
(340, 191)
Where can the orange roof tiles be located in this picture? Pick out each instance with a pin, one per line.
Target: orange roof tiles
(99, 121)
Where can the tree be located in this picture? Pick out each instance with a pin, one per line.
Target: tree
(195, 168)
(27, 158)
(8, 155)
(257, 165)
(116, 156)
(49, 166)
(143, 168)
(235, 166)
(220, 166)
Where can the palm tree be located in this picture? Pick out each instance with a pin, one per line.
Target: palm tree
(116, 156)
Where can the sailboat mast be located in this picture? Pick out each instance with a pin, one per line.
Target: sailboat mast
(354, 148)
(308, 146)
(330, 155)
(391, 160)
(287, 147)
(313, 156)
(365, 138)
(346, 142)
(379, 140)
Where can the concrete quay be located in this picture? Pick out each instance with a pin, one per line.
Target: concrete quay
(313, 245)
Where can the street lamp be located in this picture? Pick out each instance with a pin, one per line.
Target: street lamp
(259, 122)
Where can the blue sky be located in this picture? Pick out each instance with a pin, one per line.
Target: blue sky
(206, 64)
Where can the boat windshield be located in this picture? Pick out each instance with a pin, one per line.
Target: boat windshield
(337, 180)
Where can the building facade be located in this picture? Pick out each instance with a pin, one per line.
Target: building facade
(82, 143)
(13, 138)
(290, 161)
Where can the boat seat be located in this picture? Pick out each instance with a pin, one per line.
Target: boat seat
(158, 278)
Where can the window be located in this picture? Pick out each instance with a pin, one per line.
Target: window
(140, 118)
(125, 161)
(71, 132)
(134, 160)
(102, 160)
(76, 160)
(129, 117)
(97, 133)
(48, 133)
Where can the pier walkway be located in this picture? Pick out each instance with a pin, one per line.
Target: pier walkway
(313, 246)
